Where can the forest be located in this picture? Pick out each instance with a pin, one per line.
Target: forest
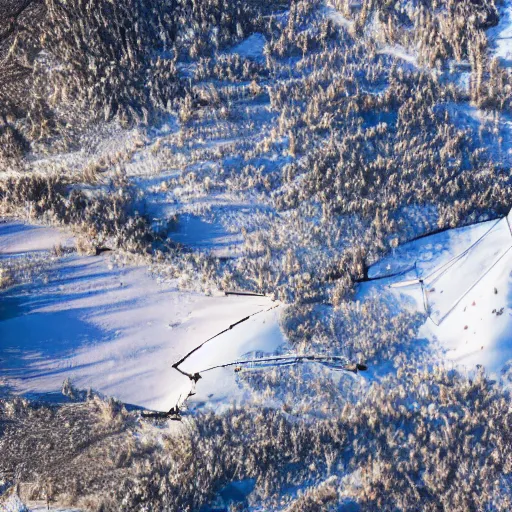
(321, 136)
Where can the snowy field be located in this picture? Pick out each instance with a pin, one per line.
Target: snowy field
(116, 330)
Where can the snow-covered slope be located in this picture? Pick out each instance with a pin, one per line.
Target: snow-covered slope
(258, 336)
(462, 279)
(501, 35)
(119, 331)
(18, 238)
(116, 330)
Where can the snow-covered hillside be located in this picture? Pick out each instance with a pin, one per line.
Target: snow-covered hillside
(116, 330)
(119, 330)
(462, 279)
(278, 226)
(219, 176)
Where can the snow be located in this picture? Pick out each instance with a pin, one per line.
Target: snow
(116, 330)
(260, 334)
(120, 330)
(252, 47)
(467, 289)
(473, 265)
(12, 504)
(400, 53)
(397, 51)
(330, 12)
(17, 237)
(494, 130)
(212, 237)
(501, 35)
